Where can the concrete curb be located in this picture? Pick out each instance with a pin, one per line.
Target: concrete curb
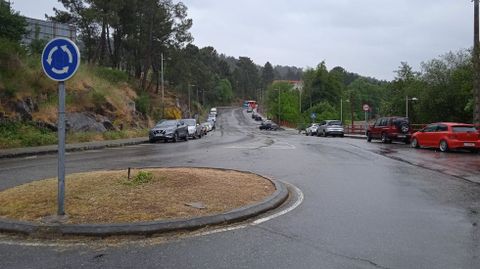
(149, 228)
(43, 150)
(356, 136)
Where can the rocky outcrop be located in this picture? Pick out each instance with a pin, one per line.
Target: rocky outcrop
(24, 108)
(88, 122)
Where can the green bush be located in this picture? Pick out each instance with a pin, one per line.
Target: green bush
(98, 99)
(142, 177)
(143, 103)
(112, 75)
(15, 134)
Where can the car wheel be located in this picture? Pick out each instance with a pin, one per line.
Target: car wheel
(342, 135)
(384, 138)
(151, 140)
(474, 150)
(415, 143)
(175, 138)
(443, 146)
(186, 137)
(325, 134)
(369, 137)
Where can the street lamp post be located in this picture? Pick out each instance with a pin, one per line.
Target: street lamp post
(341, 108)
(406, 104)
(278, 105)
(163, 85)
(189, 100)
(300, 101)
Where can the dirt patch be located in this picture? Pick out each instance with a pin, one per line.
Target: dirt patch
(109, 197)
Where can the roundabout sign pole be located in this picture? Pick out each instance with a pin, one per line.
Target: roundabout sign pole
(60, 61)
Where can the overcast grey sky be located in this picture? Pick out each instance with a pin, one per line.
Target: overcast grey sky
(369, 37)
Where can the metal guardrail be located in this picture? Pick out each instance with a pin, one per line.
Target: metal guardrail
(358, 129)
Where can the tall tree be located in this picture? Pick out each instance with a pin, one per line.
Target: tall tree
(267, 74)
(12, 25)
(247, 78)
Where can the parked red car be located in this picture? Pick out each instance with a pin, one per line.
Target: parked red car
(389, 129)
(448, 135)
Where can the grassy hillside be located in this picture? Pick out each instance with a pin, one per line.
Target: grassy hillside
(101, 91)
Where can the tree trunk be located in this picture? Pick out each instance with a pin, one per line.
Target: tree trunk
(476, 64)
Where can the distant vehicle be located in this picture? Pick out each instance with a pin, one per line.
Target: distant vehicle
(269, 125)
(249, 109)
(213, 120)
(446, 136)
(312, 129)
(166, 130)
(250, 103)
(258, 117)
(330, 127)
(194, 129)
(389, 129)
(213, 111)
(206, 127)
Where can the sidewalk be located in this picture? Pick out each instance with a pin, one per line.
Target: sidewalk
(51, 149)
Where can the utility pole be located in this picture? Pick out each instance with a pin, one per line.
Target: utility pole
(189, 104)
(163, 85)
(476, 65)
(278, 107)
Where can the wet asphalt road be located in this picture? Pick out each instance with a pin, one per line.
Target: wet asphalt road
(367, 205)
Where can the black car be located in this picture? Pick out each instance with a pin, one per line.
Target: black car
(269, 125)
(258, 117)
(169, 130)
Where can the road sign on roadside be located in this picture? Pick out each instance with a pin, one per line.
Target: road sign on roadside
(313, 115)
(366, 107)
(60, 60)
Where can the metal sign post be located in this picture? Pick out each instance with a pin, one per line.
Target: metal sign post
(61, 148)
(366, 108)
(60, 61)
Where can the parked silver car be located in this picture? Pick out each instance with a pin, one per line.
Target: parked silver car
(194, 129)
(312, 129)
(330, 127)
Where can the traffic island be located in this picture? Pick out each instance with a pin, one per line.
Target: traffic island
(139, 202)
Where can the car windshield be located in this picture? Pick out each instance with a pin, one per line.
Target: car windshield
(167, 123)
(463, 129)
(337, 122)
(190, 122)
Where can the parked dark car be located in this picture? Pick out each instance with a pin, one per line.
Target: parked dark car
(269, 125)
(446, 136)
(169, 130)
(389, 129)
(258, 117)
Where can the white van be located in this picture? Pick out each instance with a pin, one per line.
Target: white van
(213, 111)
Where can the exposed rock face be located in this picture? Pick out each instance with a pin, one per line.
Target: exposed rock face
(88, 122)
(25, 108)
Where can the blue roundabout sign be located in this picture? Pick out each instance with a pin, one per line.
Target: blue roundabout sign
(60, 59)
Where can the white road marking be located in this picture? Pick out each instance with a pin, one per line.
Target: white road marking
(31, 157)
(259, 221)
